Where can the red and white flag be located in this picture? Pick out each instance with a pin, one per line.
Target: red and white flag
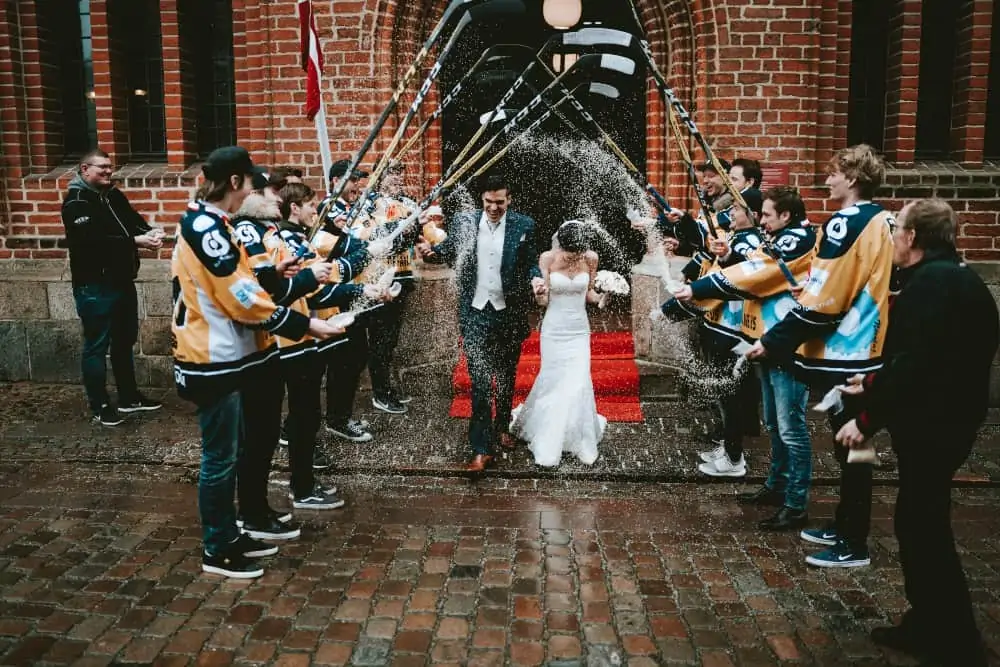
(312, 57)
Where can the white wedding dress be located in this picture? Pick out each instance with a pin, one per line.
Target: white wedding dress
(560, 414)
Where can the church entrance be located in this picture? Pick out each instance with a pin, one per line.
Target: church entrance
(546, 185)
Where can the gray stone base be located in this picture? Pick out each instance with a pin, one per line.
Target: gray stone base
(42, 338)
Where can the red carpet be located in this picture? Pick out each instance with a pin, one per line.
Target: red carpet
(612, 366)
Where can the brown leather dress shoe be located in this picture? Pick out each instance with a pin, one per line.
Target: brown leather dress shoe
(507, 441)
(479, 463)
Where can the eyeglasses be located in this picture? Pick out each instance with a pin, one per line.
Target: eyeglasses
(109, 167)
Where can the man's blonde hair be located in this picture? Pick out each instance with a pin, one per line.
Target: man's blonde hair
(862, 165)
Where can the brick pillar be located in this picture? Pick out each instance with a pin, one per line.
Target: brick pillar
(44, 145)
(834, 78)
(254, 89)
(13, 116)
(903, 81)
(972, 68)
(109, 87)
(177, 89)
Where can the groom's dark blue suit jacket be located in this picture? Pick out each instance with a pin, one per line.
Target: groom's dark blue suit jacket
(518, 265)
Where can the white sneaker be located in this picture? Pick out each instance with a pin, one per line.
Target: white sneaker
(713, 454)
(723, 467)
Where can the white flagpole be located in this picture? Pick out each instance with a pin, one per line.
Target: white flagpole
(321, 130)
(324, 139)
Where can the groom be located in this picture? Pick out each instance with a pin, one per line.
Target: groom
(495, 258)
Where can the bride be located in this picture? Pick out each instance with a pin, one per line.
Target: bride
(560, 414)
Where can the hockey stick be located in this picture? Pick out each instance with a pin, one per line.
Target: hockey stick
(454, 7)
(492, 54)
(577, 71)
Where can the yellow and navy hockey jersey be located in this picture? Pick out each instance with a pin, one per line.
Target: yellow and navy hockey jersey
(218, 306)
(758, 286)
(838, 326)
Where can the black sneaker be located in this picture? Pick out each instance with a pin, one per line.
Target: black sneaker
(402, 397)
(320, 460)
(234, 565)
(280, 517)
(841, 555)
(252, 548)
(140, 404)
(762, 496)
(271, 529)
(362, 424)
(785, 519)
(388, 404)
(317, 500)
(283, 436)
(349, 431)
(108, 416)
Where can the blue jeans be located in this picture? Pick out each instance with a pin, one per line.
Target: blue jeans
(785, 400)
(221, 425)
(110, 316)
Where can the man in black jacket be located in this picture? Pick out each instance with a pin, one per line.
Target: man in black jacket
(103, 233)
(931, 395)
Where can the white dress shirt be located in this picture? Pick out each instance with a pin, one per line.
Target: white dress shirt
(489, 253)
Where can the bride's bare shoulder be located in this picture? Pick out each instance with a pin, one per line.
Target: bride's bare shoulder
(591, 258)
(546, 258)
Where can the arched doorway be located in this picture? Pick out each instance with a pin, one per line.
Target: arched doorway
(541, 187)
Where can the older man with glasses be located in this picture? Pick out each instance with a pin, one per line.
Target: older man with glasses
(104, 233)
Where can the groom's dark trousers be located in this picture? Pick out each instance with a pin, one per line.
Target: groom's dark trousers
(492, 341)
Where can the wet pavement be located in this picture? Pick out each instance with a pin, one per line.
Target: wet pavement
(48, 423)
(635, 561)
(99, 565)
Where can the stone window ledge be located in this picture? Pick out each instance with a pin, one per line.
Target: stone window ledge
(943, 173)
(57, 270)
(133, 175)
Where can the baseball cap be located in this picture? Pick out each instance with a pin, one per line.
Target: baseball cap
(262, 178)
(227, 161)
(339, 168)
(705, 166)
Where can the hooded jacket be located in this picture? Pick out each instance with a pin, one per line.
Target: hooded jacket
(101, 227)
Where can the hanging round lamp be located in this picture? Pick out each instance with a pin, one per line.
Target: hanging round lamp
(562, 14)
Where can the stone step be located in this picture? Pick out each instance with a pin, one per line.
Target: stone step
(658, 382)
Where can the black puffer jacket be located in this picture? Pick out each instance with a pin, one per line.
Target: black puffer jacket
(939, 349)
(101, 227)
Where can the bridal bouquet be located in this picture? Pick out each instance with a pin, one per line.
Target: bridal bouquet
(611, 283)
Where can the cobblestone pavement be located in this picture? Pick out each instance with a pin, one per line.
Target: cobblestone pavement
(47, 422)
(99, 566)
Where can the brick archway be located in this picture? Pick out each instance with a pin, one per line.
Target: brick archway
(670, 30)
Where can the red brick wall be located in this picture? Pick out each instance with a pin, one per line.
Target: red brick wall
(764, 78)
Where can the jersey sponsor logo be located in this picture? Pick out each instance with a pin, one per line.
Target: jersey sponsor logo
(817, 279)
(245, 292)
(836, 229)
(787, 243)
(215, 245)
(246, 234)
(752, 266)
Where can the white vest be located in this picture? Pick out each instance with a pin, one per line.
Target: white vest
(489, 254)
